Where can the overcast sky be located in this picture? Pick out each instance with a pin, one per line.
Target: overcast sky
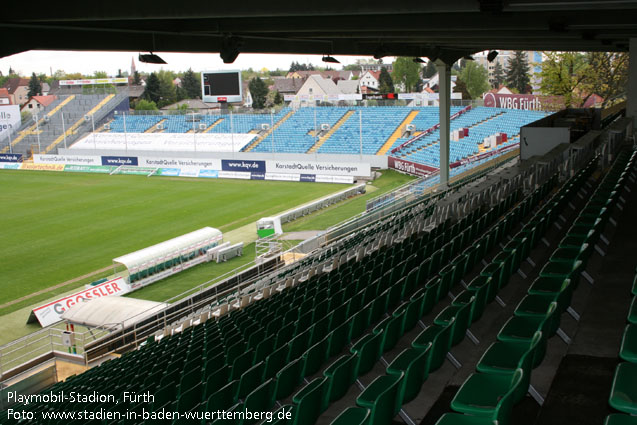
(41, 61)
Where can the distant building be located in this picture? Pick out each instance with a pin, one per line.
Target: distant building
(287, 85)
(370, 79)
(18, 89)
(37, 103)
(331, 74)
(5, 97)
(377, 67)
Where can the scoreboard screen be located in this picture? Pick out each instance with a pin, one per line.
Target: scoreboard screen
(221, 86)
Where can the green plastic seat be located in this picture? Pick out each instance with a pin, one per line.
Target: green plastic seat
(276, 360)
(310, 401)
(623, 395)
(413, 363)
(523, 329)
(189, 399)
(241, 364)
(368, 349)
(299, 344)
(288, 378)
(462, 315)
(496, 272)
(628, 350)
(360, 322)
(339, 337)
(632, 313)
(392, 328)
(314, 357)
(413, 311)
(468, 297)
(563, 269)
(251, 379)
(504, 358)
(431, 298)
(506, 260)
(435, 285)
(342, 374)
(484, 290)
(440, 339)
(353, 416)
(224, 397)
(261, 399)
(488, 395)
(535, 305)
(620, 419)
(382, 398)
(459, 419)
(634, 290)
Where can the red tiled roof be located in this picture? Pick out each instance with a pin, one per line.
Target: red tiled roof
(12, 84)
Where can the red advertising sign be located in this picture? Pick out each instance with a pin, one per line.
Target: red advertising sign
(410, 167)
(527, 102)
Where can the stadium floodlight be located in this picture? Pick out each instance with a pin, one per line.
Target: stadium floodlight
(492, 55)
(151, 58)
(330, 59)
(230, 49)
(418, 60)
(468, 58)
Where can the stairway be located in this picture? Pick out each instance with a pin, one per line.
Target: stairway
(397, 133)
(153, 128)
(261, 138)
(79, 122)
(213, 125)
(331, 131)
(33, 128)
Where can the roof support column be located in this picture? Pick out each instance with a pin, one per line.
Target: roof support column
(631, 109)
(444, 90)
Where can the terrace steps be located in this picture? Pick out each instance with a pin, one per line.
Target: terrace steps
(397, 133)
(331, 131)
(261, 138)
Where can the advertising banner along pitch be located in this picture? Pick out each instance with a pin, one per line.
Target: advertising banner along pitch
(50, 313)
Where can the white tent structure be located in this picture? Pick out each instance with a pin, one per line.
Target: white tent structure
(158, 261)
(111, 312)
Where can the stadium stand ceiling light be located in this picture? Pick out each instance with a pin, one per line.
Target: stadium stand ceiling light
(151, 58)
(330, 59)
(492, 55)
(418, 60)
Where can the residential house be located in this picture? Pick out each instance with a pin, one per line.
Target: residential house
(38, 103)
(287, 85)
(370, 79)
(5, 97)
(18, 89)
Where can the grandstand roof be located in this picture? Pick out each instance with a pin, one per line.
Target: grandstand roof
(169, 247)
(111, 311)
(446, 30)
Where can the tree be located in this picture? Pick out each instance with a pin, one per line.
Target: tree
(607, 74)
(100, 74)
(273, 98)
(461, 87)
(385, 83)
(167, 92)
(191, 85)
(278, 98)
(517, 74)
(476, 79)
(498, 75)
(566, 74)
(151, 92)
(35, 87)
(258, 91)
(145, 105)
(406, 73)
(136, 79)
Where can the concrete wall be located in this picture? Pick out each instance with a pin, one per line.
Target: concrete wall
(537, 141)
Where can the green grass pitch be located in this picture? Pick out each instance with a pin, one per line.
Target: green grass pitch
(58, 226)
